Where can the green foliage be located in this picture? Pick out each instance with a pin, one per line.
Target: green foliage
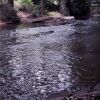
(26, 2)
(26, 5)
(36, 10)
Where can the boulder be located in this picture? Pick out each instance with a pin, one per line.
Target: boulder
(8, 14)
(97, 87)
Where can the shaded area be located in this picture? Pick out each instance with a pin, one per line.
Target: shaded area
(86, 56)
(80, 9)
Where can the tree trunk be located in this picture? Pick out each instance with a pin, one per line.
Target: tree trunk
(63, 8)
(42, 7)
(3, 1)
(81, 9)
(11, 2)
(69, 5)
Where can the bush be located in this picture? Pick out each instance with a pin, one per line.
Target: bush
(25, 5)
(7, 13)
(25, 1)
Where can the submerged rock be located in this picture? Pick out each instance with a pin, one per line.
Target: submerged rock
(8, 14)
(97, 87)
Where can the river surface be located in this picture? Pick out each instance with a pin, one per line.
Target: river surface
(36, 62)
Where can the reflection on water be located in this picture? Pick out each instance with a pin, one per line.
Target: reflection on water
(37, 62)
(85, 60)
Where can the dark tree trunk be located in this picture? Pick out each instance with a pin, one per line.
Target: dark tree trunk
(81, 9)
(42, 7)
(11, 2)
(63, 8)
(69, 5)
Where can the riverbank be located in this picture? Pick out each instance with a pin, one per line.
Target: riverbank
(55, 19)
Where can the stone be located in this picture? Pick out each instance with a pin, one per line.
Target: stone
(97, 87)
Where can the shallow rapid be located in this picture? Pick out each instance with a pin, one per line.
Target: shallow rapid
(37, 62)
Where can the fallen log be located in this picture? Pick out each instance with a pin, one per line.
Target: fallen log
(43, 19)
(5, 23)
(35, 20)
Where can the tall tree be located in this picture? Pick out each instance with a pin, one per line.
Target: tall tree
(42, 7)
(69, 5)
(11, 2)
(63, 8)
(81, 9)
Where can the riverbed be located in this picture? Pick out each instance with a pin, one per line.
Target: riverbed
(38, 61)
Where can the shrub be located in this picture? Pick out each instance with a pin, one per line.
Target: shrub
(7, 13)
(25, 5)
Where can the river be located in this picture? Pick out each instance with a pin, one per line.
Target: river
(39, 61)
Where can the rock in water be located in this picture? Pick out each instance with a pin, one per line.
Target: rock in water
(8, 14)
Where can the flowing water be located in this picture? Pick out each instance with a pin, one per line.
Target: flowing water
(36, 62)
